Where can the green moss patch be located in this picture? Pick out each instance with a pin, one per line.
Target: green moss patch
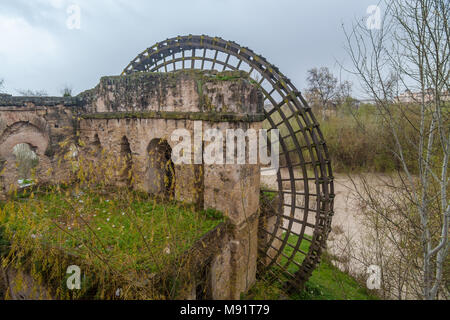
(174, 115)
(327, 282)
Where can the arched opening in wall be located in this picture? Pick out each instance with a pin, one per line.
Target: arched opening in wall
(72, 156)
(26, 162)
(203, 284)
(2, 178)
(161, 170)
(96, 145)
(125, 161)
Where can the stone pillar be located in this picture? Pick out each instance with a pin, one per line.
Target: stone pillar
(234, 190)
(189, 184)
(165, 102)
(268, 220)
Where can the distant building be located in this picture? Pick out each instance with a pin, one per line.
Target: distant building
(358, 102)
(410, 97)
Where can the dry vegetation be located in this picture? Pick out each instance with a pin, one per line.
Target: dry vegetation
(121, 239)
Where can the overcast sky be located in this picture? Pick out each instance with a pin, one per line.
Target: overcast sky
(38, 50)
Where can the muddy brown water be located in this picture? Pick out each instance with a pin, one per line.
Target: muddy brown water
(347, 228)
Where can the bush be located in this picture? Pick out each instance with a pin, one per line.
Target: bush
(360, 140)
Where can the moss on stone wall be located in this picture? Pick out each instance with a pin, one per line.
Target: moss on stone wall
(174, 115)
(136, 90)
(209, 75)
(13, 101)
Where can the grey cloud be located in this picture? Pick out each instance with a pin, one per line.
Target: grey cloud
(294, 35)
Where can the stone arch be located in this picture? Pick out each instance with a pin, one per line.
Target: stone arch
(94, 147)
(160, 173)
(12, 123)
(23, 132)
(126, 161)
(26, 161)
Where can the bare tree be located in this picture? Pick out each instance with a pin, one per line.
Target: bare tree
(26, 160)
(32, 93)
(343, 92)
(2, 82)
(321, 88)
(411, 52)
(324, 89)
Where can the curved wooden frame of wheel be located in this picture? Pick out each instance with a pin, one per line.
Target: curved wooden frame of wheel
(304, 181)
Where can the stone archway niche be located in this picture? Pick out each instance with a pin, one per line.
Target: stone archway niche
(161, 172)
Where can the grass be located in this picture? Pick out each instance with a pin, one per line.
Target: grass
(122, 231)
(361, 140)
(326, 283)
(140, 235)
(129, 235)
(329, 283)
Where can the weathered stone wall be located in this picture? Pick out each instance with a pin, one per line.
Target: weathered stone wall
(42, 123)
(145, 108)
(182, 91)
(124, 116)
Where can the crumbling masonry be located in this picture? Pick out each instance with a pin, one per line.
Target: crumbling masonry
(131, 115)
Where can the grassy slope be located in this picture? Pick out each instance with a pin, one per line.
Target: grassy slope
(115, 224)
(329, 283)
(326, 283)
(130, 234)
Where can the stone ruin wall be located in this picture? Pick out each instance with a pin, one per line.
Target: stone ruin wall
(142, 108)
(40, 122)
